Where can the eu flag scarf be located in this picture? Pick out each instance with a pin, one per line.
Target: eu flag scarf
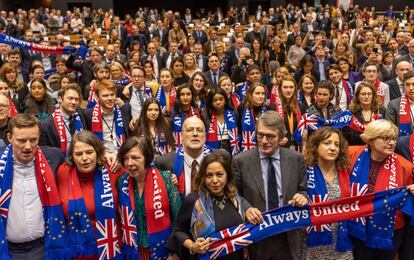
(160, 96)
(97, 126)
(405, 116)
(179, 167)
(320, 235)
(231, 124)
(56, 238)
(61, 128)
(157, 213)
(83, 241)
(371, 231)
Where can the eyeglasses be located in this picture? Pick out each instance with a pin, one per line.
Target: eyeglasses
(270, 137)
(190, 130)
(388, 139)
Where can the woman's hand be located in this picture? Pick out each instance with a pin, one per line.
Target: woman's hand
(173, 257)
(113, 163)
(132, 123)
(411, 188)
(298, 200)
(174, 179)
(119, 102)
(200, 246)
(254, 216)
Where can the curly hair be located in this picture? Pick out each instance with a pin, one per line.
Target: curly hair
(311, 149)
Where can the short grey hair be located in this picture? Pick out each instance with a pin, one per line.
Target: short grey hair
(378, 128)
(272, 119)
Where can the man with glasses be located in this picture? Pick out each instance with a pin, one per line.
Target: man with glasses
(270, 177)
(370, 70)
(400, 111)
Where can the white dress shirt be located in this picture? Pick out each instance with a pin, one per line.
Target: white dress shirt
(25, 219)
(108, 142)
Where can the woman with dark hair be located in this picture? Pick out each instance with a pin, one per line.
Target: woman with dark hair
(348, 75)
(155, 126)
(305, 68)
(364, 108)
(326, 157)
(258, 54)
(226, 84)
(214, 205)
(180, 77)
(221, 122)
(166, 92)
(307, 92)
(278, 51)
(38, 102)
(176, 34)
(89, 196)
(200, 87)
(148, 202)
(18, 90)
(184, 106)
(150, 78)
(249, 111)
(189, 44)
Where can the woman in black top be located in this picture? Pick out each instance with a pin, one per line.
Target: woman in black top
(177, 66)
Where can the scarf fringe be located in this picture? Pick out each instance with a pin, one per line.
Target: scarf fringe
(129, 252)
(319, 239)
(58, 254)
(87, 249)
(379, 243)
(357, 230)
(343, 243)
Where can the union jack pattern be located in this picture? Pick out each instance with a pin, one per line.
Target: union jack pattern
(3, 199)
(316, 198)
(248, 141)
(128, 227)
(234, 141)
(231, 240)
(107, 242)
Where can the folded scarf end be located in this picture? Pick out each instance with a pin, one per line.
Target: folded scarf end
(60, 253)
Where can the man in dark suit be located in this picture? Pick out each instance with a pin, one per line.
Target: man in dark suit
(24, 241)
(53, 129)
(85, 67)
(157, 62)
(321, 63)
(396, 84)
(201, 60)
(309, 25)
(269, 177)
(194, 150)
(122, 32)
(27, 55)
(408, 57)
(214, 73)
(394, 109)
(170, 55)
(161, 32)
(86, 38)
(256, 33)
(210, 45)
(199, 35)
(106, 95)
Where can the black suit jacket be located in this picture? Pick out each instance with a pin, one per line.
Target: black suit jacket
(201, 39)
(166, 55)
(304, 27)
(160, 61)
(126, 118)
(86, 68)
(48, 131)
(210, 77)
(396, 61)
(53, 156)
(164, 33)
(249, 182)
(394, 89)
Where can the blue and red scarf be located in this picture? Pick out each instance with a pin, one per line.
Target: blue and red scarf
(97, 126)
(19, 43)
(179, 167)
(13, 110)
(92, 100)
(161, 144)
(157, 213)
(56, 236)
(320, 235)
(377, 231)
(231, 124)
(177, 123)
(356, 125)
(248, 129)
(83, 241)
(348, 90)
(61, 128)
(160, 96)
(242, 90)
(405, 116)
(235, 101)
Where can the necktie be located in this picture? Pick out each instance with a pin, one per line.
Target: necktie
(337, 98)
(215, 79)
(71, 126)
(272, 195)
(194, 171)
(140, 97)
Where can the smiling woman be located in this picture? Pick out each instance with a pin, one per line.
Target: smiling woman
(38, 102)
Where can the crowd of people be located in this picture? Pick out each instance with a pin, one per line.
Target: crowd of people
(174, 130)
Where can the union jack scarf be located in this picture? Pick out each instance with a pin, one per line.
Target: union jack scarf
(161, 144)
(356, 125)
(241, 92)
(231, 124)
(83, 241)
(371, 231)
(248, 129)
(13, 110)
(179, 167)
(61, 128)
(321, 235)
(405, 116)
(202, 219)
(160, 96)
(97, 126)
(92, 96)
(157, 214)
(177, 123)
(56, 237)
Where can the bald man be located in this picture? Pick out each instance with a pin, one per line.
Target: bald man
(396, 84)
(186, 160)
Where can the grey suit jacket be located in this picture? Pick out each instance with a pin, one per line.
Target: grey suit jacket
(248, 176)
